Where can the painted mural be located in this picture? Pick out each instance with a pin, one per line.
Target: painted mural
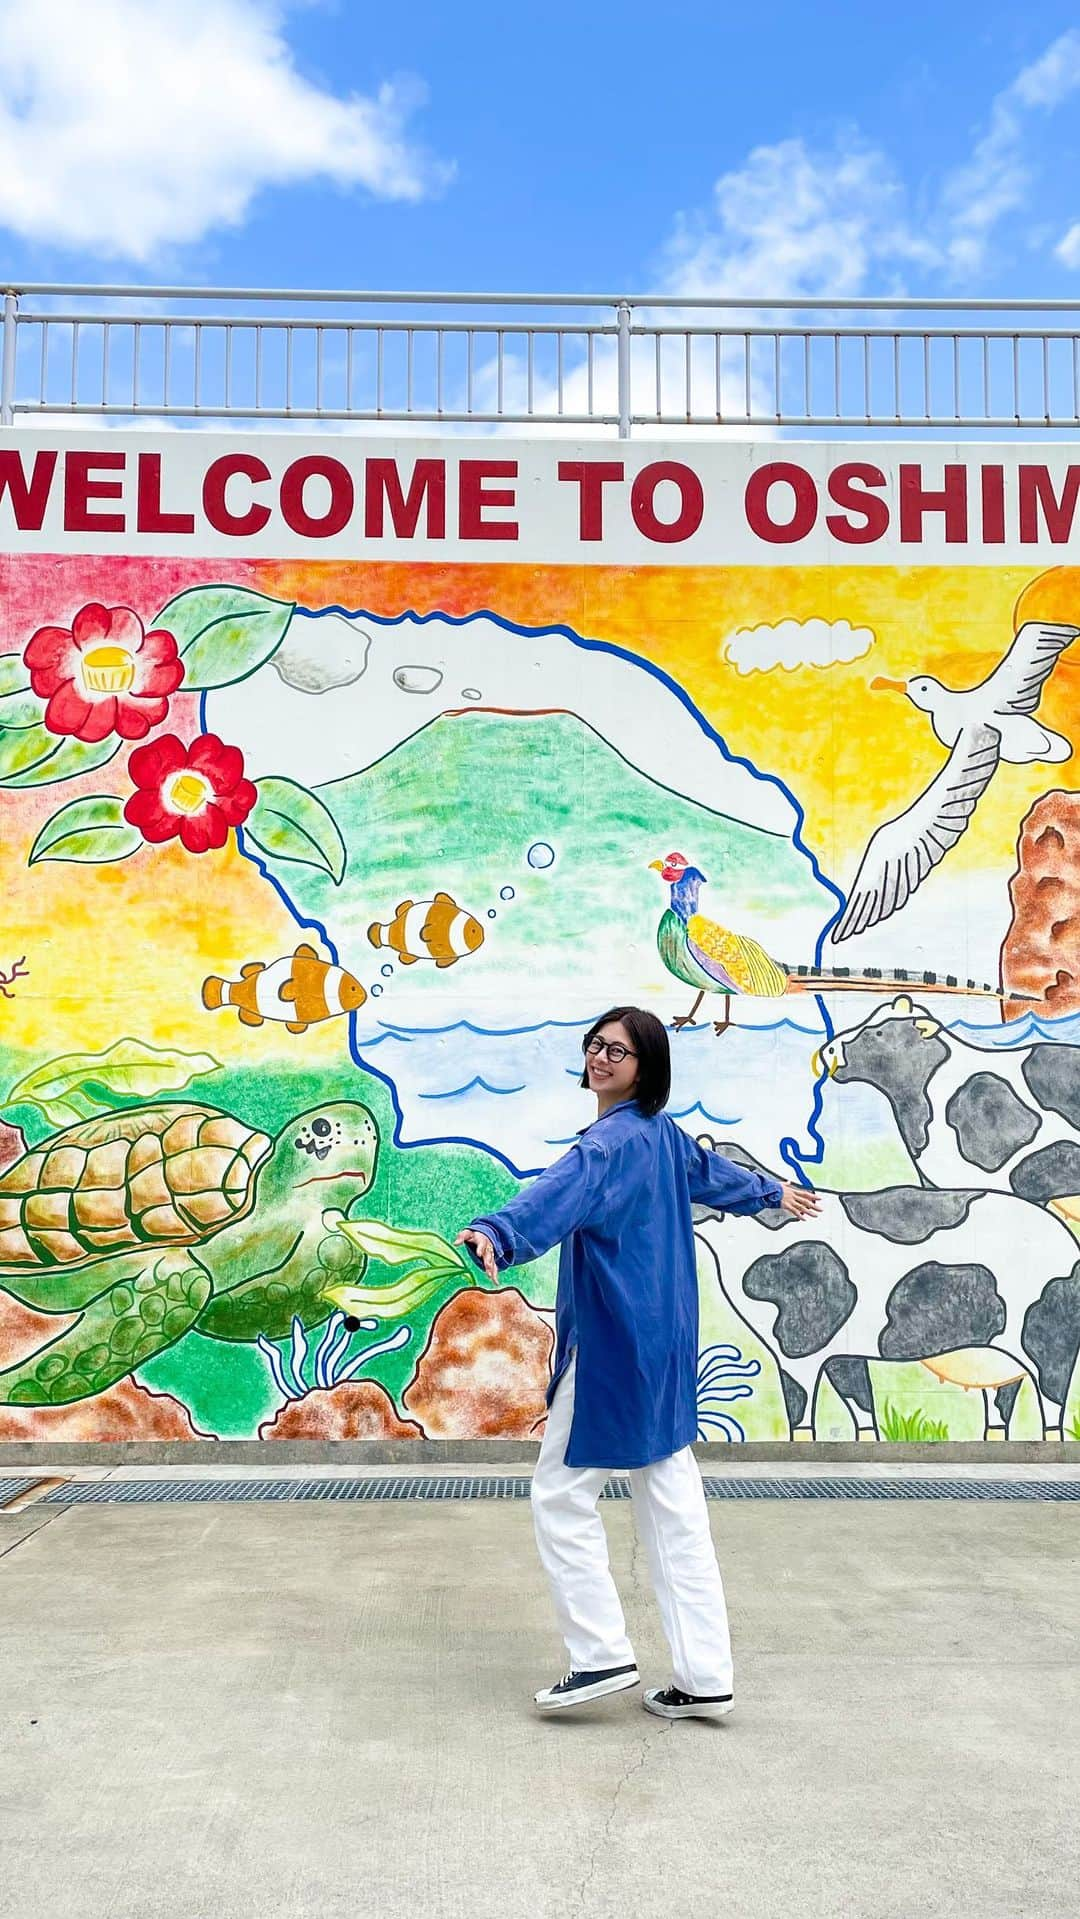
(313, 871)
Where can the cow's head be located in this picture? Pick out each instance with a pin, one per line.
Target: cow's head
(891, 1033)
(897, 1050)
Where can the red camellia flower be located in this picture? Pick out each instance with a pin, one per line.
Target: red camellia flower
(104, 674)
(197, 791)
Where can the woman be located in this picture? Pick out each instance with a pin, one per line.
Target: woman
(623, 1395)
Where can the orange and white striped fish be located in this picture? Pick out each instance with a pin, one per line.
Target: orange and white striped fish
(301, 989)
(437, 929)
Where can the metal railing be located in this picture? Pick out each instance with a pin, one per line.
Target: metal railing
(546, 360)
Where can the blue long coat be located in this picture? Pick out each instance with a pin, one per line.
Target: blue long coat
(619, 1204)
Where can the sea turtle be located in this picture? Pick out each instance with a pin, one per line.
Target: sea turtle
(162, 1217)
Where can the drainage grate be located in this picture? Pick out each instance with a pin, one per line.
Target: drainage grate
(502, 1486)
(892, 1488)
(150, 1491)
(10, 1488)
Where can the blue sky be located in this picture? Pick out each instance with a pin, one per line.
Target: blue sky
(928, 148)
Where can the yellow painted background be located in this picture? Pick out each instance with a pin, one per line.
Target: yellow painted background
(125, 948)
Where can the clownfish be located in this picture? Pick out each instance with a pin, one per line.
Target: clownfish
(301, 990)
(437, 929)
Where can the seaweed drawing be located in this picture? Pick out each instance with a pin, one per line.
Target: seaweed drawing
(331, 1364)
(20, 970)
(723, 1375)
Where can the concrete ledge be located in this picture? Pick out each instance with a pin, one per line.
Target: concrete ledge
(197, 1454)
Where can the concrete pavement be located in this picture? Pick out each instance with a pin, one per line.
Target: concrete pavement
(301, 1711)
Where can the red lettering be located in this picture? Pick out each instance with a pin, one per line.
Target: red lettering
(591, 477)
(475, 497)
(81, 487)
(28, 499)
(338, 512)
(993, 505)
(758, 506)
(382, 488)
(218, 475)
(915, 502)
(691, 501)
(149, 514)
(1037, 494)
(846, 484)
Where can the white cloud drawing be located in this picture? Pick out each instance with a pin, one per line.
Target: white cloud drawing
(794, 643)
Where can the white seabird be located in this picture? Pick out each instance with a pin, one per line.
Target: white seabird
(982, 726)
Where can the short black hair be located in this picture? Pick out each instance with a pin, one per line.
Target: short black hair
(651, 1046)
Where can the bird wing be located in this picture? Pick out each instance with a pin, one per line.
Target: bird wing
(714, 968)
(734, 960)
(1016, 685)
(904, 850)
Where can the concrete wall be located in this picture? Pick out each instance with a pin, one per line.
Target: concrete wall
(344, 783)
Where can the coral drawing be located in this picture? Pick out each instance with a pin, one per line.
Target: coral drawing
(484, 1370)
(1040, 959)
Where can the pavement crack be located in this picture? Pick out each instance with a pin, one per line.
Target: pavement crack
(635, 1562)
(649, 1736)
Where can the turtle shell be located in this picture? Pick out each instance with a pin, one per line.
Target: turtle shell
(169, 1174)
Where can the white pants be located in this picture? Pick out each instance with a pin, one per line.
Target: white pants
(673, 1524)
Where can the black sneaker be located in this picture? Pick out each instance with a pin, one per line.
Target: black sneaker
(577, 1688)
(670, 1702)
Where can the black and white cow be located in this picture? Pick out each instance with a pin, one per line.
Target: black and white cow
(1003, 1119)
(908, 1272)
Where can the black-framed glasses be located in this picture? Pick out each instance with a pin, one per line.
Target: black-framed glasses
(612, 1047)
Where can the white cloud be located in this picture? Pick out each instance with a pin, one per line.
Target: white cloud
(795, 643)
(131, 125)
(1050, 80)
(997, 179)
(793, 221)
(1068, 247)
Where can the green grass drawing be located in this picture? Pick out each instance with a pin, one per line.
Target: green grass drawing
(913, 1427)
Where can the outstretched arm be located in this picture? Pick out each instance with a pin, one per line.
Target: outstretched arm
(567, 1195)
(717, 1181)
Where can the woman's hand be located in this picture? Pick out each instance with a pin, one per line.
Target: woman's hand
(799, 1200)
(480, 1244)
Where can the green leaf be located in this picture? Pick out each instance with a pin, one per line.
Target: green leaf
(14, 675)
(66, 1089)
(394, 1299)
(394, 1246)
(19, 707)
(398, 1299)
(32, 756)
(289, 823)
(20, 710)
(224, 633)
(29, 754)
(392, 1302)
(24, 748)
(93, 831)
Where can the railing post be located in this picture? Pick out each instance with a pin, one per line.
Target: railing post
(7, 370)
(622, 313)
